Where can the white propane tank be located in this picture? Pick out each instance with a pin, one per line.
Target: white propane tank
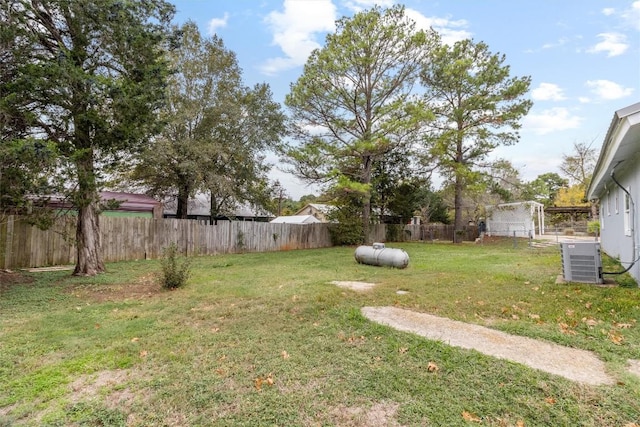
(381, 256)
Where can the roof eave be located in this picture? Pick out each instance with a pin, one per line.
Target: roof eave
(607, 160)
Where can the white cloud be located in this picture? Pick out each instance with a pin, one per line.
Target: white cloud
(360, 5)
(548, 92)
(613, 44)
(632, 15)
(216, 23)
(294, 31)
(608, 11)
(451, 31)
(608, 90)
(552, 120)
(584, 99)
(560, 42)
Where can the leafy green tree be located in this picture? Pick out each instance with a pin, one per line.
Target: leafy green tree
(26, 168)
(26, 164)
(235, 170)
(205, 74)
(217, 130)
(544, 189)
(354, 104)
(477, 107)
(90, 81)
(415, 197)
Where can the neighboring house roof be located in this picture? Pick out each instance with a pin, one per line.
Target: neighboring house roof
(200, 205)
(128, 202)
(296, 219)
(320, 207)
(622, 142)
(131, 202)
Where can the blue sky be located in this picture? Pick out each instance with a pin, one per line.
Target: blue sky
(583, 57)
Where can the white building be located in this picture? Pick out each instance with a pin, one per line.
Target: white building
(616, 185)
(522, 219)
(295, 219)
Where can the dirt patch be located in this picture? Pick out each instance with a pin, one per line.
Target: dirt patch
(145, 287)
(577, 365)
(634, 367)
(10, 277)
(106, 385)
(380, 414)
(88, 386)
(355, 286)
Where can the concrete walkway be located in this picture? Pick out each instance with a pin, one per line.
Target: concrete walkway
(574, 364)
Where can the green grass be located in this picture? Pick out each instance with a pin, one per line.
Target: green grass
(92, 352)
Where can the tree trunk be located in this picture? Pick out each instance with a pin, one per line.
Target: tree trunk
(457, 203)
(366, 205)
(89, 253)
(213, 209)
(89, 249)
(182, 209)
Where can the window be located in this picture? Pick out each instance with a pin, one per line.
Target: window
(627, 214)
(608, 203)
(602, 217)
(616, 202)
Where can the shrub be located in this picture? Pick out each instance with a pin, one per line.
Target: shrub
(175, 272)
(593, 227)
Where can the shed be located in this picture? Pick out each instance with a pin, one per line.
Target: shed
(524, 219)
(296, 219)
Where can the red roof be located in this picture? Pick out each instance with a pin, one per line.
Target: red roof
(130, 202)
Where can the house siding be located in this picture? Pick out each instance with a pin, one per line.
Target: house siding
(615, 241)
(620, 158)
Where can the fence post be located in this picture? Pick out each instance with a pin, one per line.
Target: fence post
(515, 241)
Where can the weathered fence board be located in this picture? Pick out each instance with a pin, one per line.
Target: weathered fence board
(131, 238)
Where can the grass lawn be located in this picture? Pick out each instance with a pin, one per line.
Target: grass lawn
(265, 340)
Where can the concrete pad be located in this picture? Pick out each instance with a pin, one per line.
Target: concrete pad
(354, 286)
(577, 365)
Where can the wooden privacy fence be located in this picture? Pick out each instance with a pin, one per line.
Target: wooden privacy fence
(23, 245)
(424, 232)
(131, 238)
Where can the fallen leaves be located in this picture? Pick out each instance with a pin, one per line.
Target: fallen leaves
(284, 354)
(623, 325)
(566, 329)
(432, 367)
(615, 337)
(469, 417)
(260, 381)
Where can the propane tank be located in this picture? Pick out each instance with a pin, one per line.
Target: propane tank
(381, 256)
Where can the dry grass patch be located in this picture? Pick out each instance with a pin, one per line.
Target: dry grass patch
(380, 414)
(144, 287)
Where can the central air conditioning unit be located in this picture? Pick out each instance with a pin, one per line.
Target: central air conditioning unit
(581, 262)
